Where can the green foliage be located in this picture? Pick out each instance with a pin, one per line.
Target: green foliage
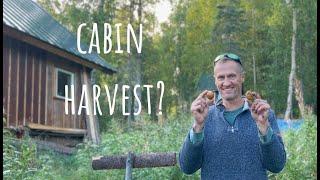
(21, 160)
(146, 137)
(27, 163)
(301, 148)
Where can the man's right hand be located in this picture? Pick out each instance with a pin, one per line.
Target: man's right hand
(199, 110)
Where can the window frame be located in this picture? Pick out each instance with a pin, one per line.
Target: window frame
(56, 81)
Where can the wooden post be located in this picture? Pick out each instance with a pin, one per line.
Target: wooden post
(90, 119)
(129, 166)
(138, 161)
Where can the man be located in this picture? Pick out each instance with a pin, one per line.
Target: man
(232, 139)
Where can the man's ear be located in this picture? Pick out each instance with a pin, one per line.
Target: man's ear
(242, 77)
(215, 82)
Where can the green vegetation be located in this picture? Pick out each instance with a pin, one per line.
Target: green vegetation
(26, 163)
(301, 147)
(259, 31)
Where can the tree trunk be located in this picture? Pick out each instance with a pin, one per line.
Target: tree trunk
(138, 161)
(130, 70)
(293, 65)
(299, 97)
(254, 73)
(253, 56)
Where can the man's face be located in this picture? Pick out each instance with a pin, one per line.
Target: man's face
(228, 79)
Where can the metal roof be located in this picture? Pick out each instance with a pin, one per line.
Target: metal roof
(29, 17)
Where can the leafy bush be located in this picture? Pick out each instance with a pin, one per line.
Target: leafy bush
(20, 159)
(301, 148)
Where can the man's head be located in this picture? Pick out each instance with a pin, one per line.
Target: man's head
(229, 76)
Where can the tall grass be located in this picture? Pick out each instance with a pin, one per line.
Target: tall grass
(145, 136)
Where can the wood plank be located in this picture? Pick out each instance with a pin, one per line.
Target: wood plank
(32, 86)
(25, 86)
(83, 121)
(36, 88)
(77, 89)
(21, 83)
(29, 89)
(61, 111)
(90, 119)
(43, 90)
(55, 118)
(56, 129)
(5, 73)
(46, 92)
(9, 81)
(68, 117)
(39, 87)
(49, 88)
(74, 117)
(17, 81)
(13, 85)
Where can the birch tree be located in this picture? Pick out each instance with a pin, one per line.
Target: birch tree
(292, 75)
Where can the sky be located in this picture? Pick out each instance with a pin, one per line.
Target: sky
(163, 10)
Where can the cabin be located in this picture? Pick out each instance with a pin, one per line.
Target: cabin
(40, 57)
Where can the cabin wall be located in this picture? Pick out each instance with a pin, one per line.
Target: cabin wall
(57, 105)
(29, 86)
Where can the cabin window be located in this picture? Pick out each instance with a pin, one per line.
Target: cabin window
(63, 78)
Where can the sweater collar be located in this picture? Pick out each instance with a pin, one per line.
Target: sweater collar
(221, 106)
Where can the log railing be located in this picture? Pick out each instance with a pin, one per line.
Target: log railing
(134, 161)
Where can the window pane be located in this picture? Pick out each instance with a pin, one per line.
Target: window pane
(63, 79)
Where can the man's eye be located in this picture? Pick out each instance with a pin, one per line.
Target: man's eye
(232, 76)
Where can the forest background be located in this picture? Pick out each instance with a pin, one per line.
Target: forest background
(181, 50)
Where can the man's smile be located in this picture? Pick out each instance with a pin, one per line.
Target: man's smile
(228, 89)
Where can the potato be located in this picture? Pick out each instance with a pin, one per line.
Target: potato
(210, 95)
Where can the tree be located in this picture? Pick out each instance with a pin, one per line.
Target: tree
(230, 24)
(292, 75)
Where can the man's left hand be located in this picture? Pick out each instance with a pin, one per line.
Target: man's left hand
(260, 111)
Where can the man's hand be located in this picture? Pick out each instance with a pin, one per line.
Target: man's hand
(260, 111)
(199, 110)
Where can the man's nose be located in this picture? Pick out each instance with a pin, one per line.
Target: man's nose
(226, 82)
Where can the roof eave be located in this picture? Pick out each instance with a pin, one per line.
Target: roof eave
(22, 36)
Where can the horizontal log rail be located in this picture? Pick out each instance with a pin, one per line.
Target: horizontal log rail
(138, 161)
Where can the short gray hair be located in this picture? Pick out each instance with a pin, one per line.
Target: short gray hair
(224, 60)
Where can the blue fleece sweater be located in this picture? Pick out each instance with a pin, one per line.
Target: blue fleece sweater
(233, 152)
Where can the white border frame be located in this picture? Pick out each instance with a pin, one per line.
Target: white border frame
(66, 72)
